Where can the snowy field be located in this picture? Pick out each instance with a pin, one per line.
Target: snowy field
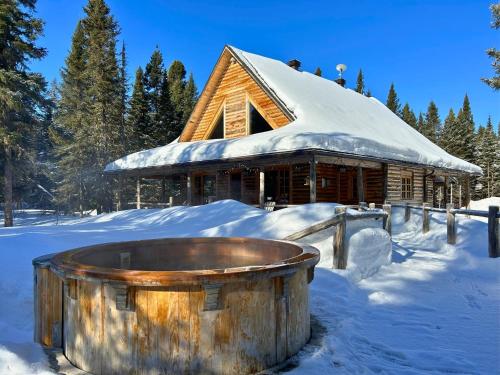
(434, 309)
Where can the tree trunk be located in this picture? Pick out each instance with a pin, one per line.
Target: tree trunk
(7, 191)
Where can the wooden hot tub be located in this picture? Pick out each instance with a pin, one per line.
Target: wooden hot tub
(183, 305)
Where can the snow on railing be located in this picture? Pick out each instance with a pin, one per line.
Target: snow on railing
(492, 214)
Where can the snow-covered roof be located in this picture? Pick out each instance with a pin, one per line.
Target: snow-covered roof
(328, 117)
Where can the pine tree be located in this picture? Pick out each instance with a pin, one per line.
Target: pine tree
(393, 101)
(420, 123)
(166, 117)
(21, 92)
(176, 81)
(465, 127)
(123, 88)
(493, 53)
(432, 124)
(360, 83)
(318, 72)
(138, 116)
(103, 96)
(448, 137)
(487, 158)
(74, 147)
(190, 99)
(154, 82)
(408, 116)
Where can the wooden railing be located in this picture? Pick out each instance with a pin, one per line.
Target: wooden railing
(339, 221)
(492, 214)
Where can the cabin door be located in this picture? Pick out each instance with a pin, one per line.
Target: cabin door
(347, 186)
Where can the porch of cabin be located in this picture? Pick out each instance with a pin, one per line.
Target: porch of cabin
(302, 180)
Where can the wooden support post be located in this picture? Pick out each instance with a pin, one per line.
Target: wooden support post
(262, 185)
(138, 193)
(387, 220)
(371, 206)
(163, 190)
(407, 212)
(339, 249)
(450, 225)
(361, 185)
(312, 181)
(425, 218)
(460, 195)
(493, 234)
(445, 188)
(467, 191)
(189, 189)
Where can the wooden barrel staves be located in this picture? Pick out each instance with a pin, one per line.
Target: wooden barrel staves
(224, 306)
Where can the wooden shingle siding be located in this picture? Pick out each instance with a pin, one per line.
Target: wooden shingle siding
(234, 88)
(394, 173)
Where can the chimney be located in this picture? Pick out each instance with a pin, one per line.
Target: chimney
(340, 81)
(294, 64)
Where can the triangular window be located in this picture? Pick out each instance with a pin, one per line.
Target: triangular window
(258, 124)
(218, 130)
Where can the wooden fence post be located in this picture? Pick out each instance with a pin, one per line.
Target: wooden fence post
(425, 218)
(493, 245)
(387, 220)
(371, 206)
(450, 225)
(407, 212)
(339, 250)
(171, 201)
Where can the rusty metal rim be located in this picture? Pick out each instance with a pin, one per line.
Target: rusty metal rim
(63, 264)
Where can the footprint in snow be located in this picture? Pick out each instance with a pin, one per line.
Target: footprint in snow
(471, 300)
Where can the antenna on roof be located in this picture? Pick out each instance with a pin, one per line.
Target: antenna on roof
(341, 68)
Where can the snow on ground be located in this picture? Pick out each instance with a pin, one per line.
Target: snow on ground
(483, 204)
(434, 309)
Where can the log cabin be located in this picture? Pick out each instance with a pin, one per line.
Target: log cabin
(263, 130)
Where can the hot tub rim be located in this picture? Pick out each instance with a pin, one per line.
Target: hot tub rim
(58, 262)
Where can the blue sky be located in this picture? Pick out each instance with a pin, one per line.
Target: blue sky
(431, 50)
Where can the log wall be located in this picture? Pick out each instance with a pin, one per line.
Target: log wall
(300, 193)
(394, 173)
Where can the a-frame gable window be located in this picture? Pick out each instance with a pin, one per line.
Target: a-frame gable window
(218, 129)
(257, 123)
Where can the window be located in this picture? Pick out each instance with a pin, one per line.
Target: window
(218, 130)
(209, 189)
(258, 124)
(406, 186)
